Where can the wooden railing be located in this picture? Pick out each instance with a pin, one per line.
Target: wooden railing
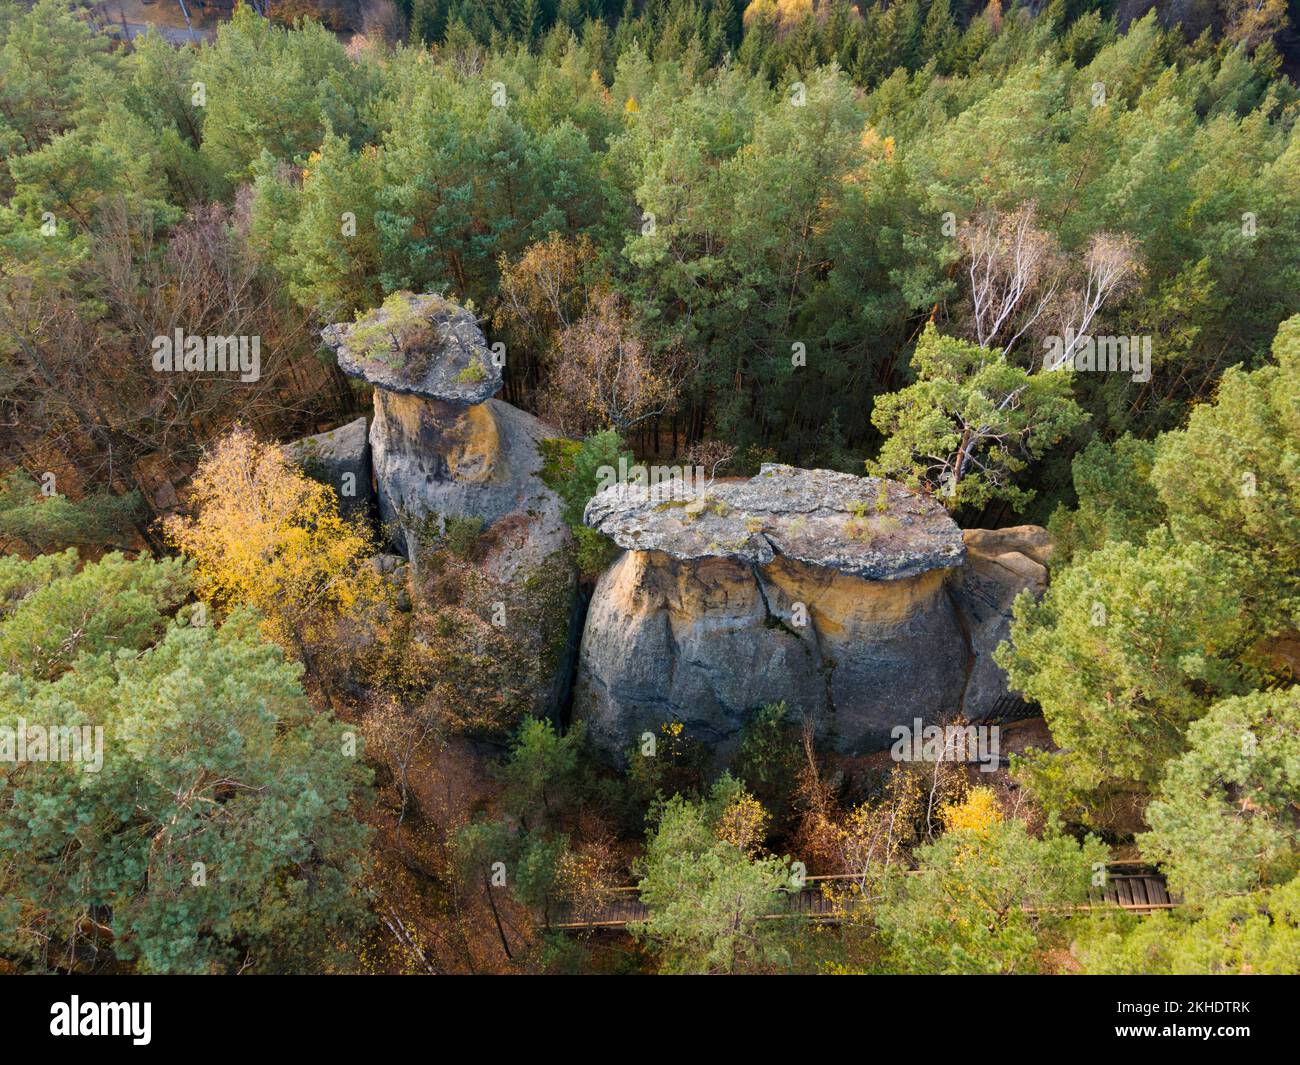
(1133, 886)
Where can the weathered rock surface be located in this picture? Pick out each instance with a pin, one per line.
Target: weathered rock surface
(1000, 563)
(446, 359)
(861, 526)
(800, 587)
(339, 458)
(431, 459)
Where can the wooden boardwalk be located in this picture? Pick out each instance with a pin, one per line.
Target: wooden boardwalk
(1137, 887)
(1132, 886)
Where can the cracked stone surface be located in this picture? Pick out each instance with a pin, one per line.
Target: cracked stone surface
(787, 588)
(445, 358)
(861, 526)
(1000, 564)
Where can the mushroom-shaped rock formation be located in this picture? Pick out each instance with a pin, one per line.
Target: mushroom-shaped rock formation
(828, 591)
(440, 445)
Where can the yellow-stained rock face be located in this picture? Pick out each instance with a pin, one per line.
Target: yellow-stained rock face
(475, 447)
(467, 441)
(836, 603)
(708, 641)
(839, 605)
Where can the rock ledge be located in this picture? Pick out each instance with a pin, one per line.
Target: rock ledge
(443, 353)
(865, 527)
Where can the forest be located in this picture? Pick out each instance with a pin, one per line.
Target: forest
(327, 647)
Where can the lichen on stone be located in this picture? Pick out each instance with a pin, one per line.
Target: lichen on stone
(860, 526)
(422, 345)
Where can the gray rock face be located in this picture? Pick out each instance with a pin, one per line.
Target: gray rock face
(861, 617)
(434, 349)
(862, 526)
(339, 458)
(433, 459)
(1000, 563)
(708, 641)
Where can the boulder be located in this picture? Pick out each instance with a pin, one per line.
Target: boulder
(856, 601)
(439, 352)
(339, 458)
(1032, 541)
(433, 459)
(821, 589)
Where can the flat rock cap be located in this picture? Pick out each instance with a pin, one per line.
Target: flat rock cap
(866, 527)
(422, 345)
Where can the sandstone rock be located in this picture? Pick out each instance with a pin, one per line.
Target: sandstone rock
(1031, 541)
(700, 619)
(441, 447)
(1000, 563)
(817, 588)
(446, 359)
(431, 459)
(339, 458)
(708, 641)
(862, 526)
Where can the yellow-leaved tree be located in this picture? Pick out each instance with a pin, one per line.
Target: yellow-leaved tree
(264, 534)
(979, 812)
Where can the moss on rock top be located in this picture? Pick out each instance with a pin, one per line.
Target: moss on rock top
(866, 527)
(422, 345)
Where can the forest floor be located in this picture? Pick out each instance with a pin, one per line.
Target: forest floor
(166, 16)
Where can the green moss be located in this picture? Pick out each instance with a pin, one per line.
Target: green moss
(471, 374)
(387, 333)
(549, 594)
(461, 535)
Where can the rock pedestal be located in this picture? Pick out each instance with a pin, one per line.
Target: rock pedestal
(440, 445)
